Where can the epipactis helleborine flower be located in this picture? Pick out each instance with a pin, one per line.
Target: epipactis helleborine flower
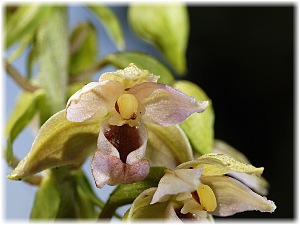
(125, 99)
(197, 189)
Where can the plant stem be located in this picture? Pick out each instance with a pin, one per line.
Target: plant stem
(18, 78)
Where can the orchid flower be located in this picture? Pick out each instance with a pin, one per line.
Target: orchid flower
(125, 99)
(198, 189)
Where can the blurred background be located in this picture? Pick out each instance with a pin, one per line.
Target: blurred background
(243, 57)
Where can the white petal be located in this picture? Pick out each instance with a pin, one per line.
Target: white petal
(258, 184)
(141, 151)
(93, 101)
(103, 144)
(233, 196)
(165, 105)
(177, 181)
(170, 213)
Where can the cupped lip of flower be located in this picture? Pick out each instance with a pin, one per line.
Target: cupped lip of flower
(108, 169)
(119, 156)
(126, 142)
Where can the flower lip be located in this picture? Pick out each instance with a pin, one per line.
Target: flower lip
(124, 138)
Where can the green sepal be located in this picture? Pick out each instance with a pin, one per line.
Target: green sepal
(126, 193)
(59, 142)
(258, 183)
(166, 26)
(83, 47)
(111, 23)
(143, 61)
(220, 164)
(141, 208)
(167, 146)
(23, 112)
(199, 127)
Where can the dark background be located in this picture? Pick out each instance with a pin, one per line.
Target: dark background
(243, 57)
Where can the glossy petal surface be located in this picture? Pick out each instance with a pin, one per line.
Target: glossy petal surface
(165, 105)
(93, 101)
(233, 196)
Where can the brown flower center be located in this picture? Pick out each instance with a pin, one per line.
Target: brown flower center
(124, 138)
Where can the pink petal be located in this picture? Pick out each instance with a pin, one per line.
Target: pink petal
(233, 196)
(119, 156)
(165, 105)
(111, 170)
(93, 101)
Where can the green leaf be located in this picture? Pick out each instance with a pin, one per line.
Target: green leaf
(84, 185)
(61, 190)
(47, 200)
(126, 193)
(24, 22)
(32, 57)
(86, 198)
(53, 51)
(22, 114)
(162, 150)
(85, 208)
(83, 47)
(199, 127)
(66, 186)
(143, 61)
(111, 23)
(24, 42)
(166, 26)
(59, 142)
